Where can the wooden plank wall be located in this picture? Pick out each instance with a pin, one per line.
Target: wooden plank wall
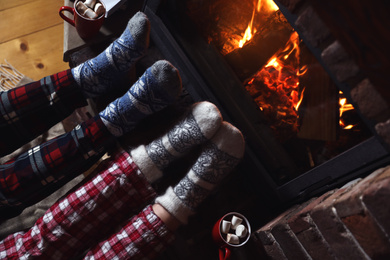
(31, 37)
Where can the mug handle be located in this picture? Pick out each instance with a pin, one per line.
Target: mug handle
(224, 253)
(67, 9)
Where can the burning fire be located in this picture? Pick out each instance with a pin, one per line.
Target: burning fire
(276, 89)
(264, 6)
(344, 106)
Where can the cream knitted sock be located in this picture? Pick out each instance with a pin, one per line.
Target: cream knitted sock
(218, 157)
(199, 125)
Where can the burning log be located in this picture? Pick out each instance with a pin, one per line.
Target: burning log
(221, 22)
(271, 37)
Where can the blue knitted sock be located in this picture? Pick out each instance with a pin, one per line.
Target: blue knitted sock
(97, 76)
(156, 88)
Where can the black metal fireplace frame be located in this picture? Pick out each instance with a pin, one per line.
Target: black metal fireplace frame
(210, 84)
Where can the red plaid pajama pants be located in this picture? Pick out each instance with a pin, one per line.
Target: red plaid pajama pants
(26, 112)
(74, 224)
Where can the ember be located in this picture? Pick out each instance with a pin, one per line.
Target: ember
(275, 89)
(299, 102)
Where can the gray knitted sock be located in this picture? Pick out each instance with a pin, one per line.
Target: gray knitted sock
(199, 125)
(218, 157)
(98, 75)
(158, 87)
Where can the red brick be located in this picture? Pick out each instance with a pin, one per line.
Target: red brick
(281, 232)
(339, 238)
(347, 204)
(307, 232)
(314, 242)
(270, 246)
(383, 130)
(376, 199)
(369, 235)
(312, 27)
(360, 222)
(298, 222)
(339, 62)
(290, 244)
(370, 102)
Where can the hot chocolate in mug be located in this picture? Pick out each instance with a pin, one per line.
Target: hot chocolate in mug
(88, 17)
(231, 231)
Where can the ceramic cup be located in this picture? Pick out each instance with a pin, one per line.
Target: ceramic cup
(86, 27)
(227, 226)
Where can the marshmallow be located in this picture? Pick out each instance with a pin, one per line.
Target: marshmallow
(90, 14)
(232, 239)
(225, 226)
(241, 231)
(236, 221)
(99, 9)
(90, 3)
(81, 7)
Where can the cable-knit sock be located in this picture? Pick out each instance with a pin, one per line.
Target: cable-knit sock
(98, 75)
(219, 156)
(158, 87)
(199, 125)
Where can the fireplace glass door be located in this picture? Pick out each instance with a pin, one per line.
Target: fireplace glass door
(296, 118)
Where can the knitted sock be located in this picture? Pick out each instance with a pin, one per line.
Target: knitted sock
(97, 76)
(199, 125)
(158, 87)
(219, 156)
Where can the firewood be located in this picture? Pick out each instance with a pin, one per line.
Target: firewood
(265, 43)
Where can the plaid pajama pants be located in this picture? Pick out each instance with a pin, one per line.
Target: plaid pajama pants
(74, 224)
(26, 112)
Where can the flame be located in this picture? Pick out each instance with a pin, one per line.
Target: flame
(276, 86)
(248, 32)
(268, 6)
(344, 106)
(297, 104)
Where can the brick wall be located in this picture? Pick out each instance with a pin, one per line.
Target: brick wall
(352, 222)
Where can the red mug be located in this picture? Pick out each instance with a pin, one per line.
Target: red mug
(85, 27)
(227, 235)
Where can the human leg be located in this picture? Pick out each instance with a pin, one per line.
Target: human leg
(90, 209)
(150, 232)
(86, 214)
(145, 236)
(38, 172)
(30, 110)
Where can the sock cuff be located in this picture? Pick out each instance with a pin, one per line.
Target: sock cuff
(175, 206)
(145, 164)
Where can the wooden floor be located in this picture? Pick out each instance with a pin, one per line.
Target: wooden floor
(31, 36)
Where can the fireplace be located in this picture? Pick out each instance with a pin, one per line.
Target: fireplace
(303, 134)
